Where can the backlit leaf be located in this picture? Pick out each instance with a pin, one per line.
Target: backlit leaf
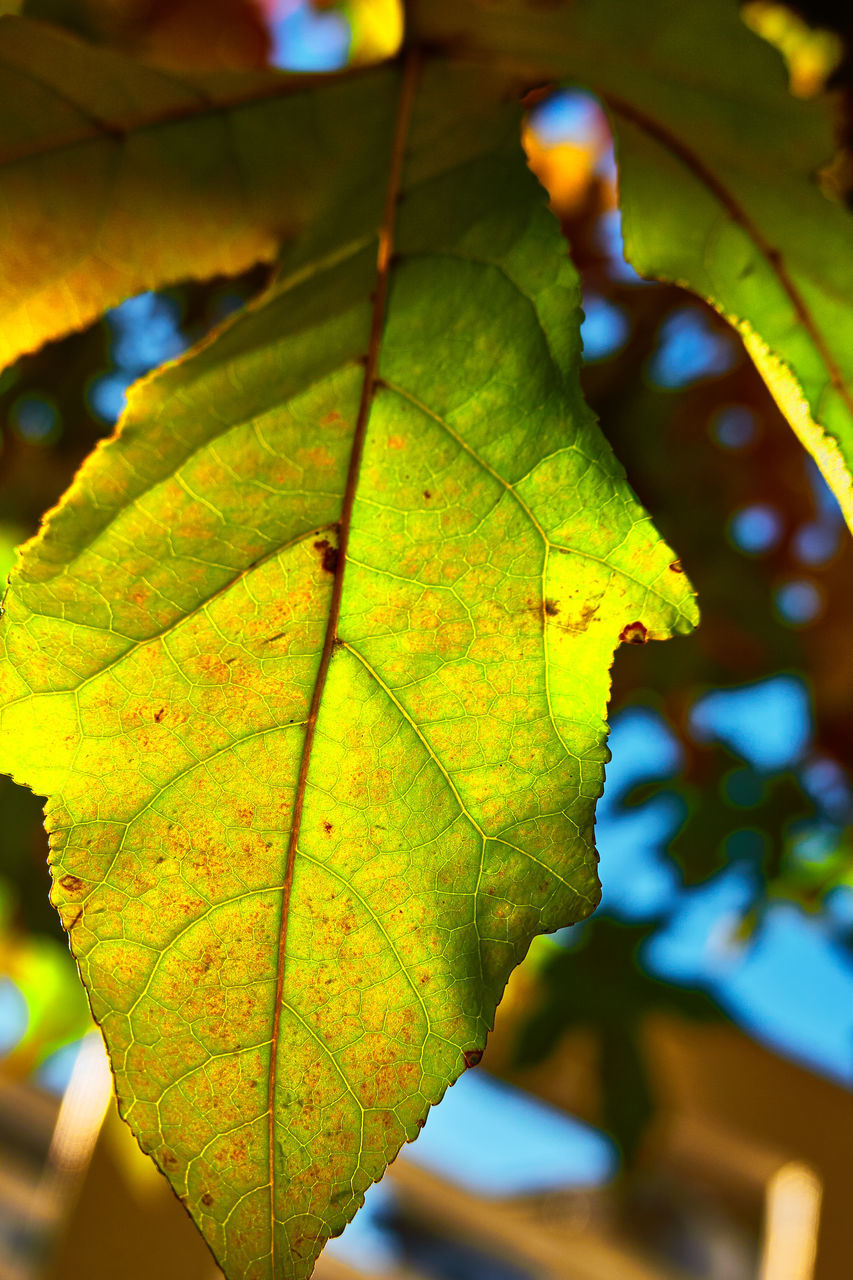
(719, 180)
(312, 663)
(119, 177)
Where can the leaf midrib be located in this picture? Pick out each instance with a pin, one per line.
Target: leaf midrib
(410, 77)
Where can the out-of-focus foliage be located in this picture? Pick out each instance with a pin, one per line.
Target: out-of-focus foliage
(181, 35)
(36, 974)
(597, 983)
(812, 54)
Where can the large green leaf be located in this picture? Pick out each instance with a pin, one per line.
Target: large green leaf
(718, 180)
(312, 662)
(118, 177)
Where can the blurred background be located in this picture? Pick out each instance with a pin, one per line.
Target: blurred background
(667, 1091)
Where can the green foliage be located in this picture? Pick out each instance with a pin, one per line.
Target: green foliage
(118, 176)
(596, 984)
(719, 181)
(312, 660)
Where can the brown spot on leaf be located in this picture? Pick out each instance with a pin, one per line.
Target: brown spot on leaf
(472, 1057)
(327, 827)
(207, 1198)
(72, 884)
(677, 566)
(427, 493)
(634, 633)
(552, 608)
(420, 1122)
(78, 916)
(329, 554)
(158, 715)
(319, 457)
(588, 612)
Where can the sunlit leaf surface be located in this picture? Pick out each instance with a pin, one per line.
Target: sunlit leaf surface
(312, 663)
(118, 177)
(719, 180)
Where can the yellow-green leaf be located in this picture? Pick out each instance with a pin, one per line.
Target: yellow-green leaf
(312, 663)
(719, 180)
(118, 177)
